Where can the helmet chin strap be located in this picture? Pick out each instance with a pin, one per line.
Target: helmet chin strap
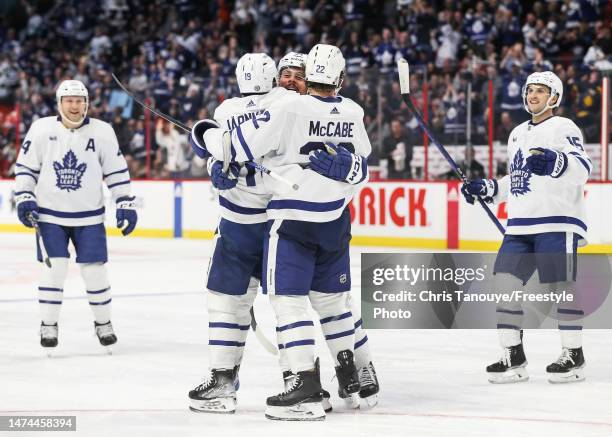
(544, 109)
(69, 122)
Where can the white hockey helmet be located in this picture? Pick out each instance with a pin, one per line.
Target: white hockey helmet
(549, 79)
(292, 59)
(255, 73)
(325, 64)
(73, 88)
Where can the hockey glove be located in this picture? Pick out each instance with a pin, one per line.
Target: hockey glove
(126, 211)
(339, 164)
(546, 162)
(220, 179)
(486, 189)
(26, 205)
(196, 137)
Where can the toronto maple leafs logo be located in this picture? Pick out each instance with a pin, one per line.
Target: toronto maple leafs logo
(70, 173)
(519, 175)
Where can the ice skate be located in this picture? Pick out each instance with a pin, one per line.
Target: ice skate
(301, 401)
(106, 335)
(288, 377)
(217, 394)
(569, 367)
(368, 385)
(348, 379)
(510, 368)
(48, 337)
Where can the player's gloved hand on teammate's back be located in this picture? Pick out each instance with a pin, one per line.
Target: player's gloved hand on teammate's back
(483, 188)
(196, 137)
(546, 162)
(26, 208)
(126, 211)
(339, 164)
(220, 179)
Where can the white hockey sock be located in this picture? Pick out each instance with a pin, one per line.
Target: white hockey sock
(51, 290)
(295, 330)
(508, 337)
(571, 338)
(569, 315)
(283, 359)
(510, 314)
(363, 356)
(336, 321)
(362, 346)
(98, 290)
(225, 335)
(243, 315)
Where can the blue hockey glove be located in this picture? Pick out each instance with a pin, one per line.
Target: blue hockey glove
(196, 137)
(483, 188)
(546, 162)
(339, 164)
(222, 181)
(126, 211)
(26, 205)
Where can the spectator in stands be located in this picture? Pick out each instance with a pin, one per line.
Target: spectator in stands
(397, 150)
(504, 127)
(385, 53)
(469, 165)
(478, 27)
(511, 98)
(538, 63)
(173, 149)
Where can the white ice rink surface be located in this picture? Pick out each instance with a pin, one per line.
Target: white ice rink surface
(432, 382)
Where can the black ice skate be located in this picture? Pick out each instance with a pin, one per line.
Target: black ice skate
(288, 377)
(510, 367)
(348, 379)
(217, 394)
(48, 335)
(368, 385)
(301, 401)
(569, 367)
(105, 334)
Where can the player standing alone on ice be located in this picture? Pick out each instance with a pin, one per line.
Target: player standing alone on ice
(546, 218)
(60, 169)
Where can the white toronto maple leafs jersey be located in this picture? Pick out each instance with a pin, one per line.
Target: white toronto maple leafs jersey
(64, 169)
(539, 204)
(285, 134)
(248, 201)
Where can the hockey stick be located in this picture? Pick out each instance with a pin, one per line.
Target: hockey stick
(226, 147)
(39, 239)
(404, 79)
(267, 344)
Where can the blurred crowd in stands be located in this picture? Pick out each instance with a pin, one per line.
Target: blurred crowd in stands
(181, 55)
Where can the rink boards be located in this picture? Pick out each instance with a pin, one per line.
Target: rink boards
(430, 215)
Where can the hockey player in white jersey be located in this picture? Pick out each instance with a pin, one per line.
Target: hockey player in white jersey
(234, 272)
(310, 140)
(546, 223)
(291, 70)
(61, 165)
